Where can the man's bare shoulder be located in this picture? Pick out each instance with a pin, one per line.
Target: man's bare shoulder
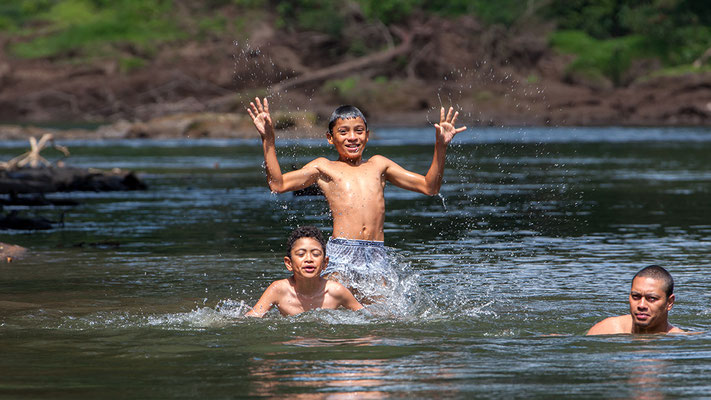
(612, 326)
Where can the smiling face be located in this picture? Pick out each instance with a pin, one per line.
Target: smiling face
(306, 259)
(349, 136)
(649, 305)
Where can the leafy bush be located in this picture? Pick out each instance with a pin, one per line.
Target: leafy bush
(504, 12)
(675, 31)
(316, 15)
(92, 27)
(343, 89)
(609, 58)
(492, 12)
(389, 11)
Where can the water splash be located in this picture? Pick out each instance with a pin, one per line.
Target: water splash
(444, 205)
(223, 314)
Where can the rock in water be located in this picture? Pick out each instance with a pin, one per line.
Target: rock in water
(10, 252)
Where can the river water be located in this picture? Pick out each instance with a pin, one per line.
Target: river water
(535, 237)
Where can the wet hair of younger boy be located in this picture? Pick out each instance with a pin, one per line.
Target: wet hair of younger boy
(308, 231)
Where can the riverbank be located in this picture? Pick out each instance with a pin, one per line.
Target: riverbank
(201, 87)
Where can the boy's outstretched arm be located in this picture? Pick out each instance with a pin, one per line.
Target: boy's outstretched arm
(278, 182)
(265, 303)
(430, 183)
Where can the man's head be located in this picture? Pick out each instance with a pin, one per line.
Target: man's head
(651, 298)
(348, 132)
(306, 252)
(658, 273)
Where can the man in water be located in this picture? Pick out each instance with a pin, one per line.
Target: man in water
(354, 187)
(651, 298)
(305, 290)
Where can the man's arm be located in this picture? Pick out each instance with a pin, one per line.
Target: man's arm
(266, 302)
(430, 183)
(278, 182)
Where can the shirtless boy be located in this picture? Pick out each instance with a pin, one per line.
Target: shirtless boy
(651, 298)
(305, 290)
(353, 186)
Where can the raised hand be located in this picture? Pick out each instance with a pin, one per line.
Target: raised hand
(261, 118)
(445, 128)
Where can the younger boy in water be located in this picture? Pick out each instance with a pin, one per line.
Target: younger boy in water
(305, 290)
(353, 186)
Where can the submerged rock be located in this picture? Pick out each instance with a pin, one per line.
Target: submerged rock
(10, 252)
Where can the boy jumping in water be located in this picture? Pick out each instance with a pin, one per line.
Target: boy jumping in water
(353, 186)
(305, 290)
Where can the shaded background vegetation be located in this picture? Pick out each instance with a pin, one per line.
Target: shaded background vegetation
(607, 36)
(595, 45)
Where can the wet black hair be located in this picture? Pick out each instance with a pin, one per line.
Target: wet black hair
(657, 272)
(308, 231)
(345, 112)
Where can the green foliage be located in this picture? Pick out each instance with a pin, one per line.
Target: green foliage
(681, 70)
(315, 15)
(208, 25)
(14, 13)
(130, 64)
(597, 18)
(389, 11)
(679, 31)
(504, 12)
(609, 58)
(675, 31)
(92, 27)
(533, 78)
(491, 12)
(342, 88)
(70, 12)
(6, 24)
(250, 3)
(326, 16)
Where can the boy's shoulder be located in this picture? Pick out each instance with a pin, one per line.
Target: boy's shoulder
(377, 158)
(335, 288)
(320, 160)
(280, 285)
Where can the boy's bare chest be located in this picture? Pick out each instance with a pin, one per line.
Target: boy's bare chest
(362, 178)
(297, 304)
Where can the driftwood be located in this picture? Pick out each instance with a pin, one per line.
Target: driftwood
(33, 158)
(32, 173)
(66, 179)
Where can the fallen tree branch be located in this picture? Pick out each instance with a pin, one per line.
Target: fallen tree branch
(344, 68)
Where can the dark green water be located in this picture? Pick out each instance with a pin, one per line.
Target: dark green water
(538, 232)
